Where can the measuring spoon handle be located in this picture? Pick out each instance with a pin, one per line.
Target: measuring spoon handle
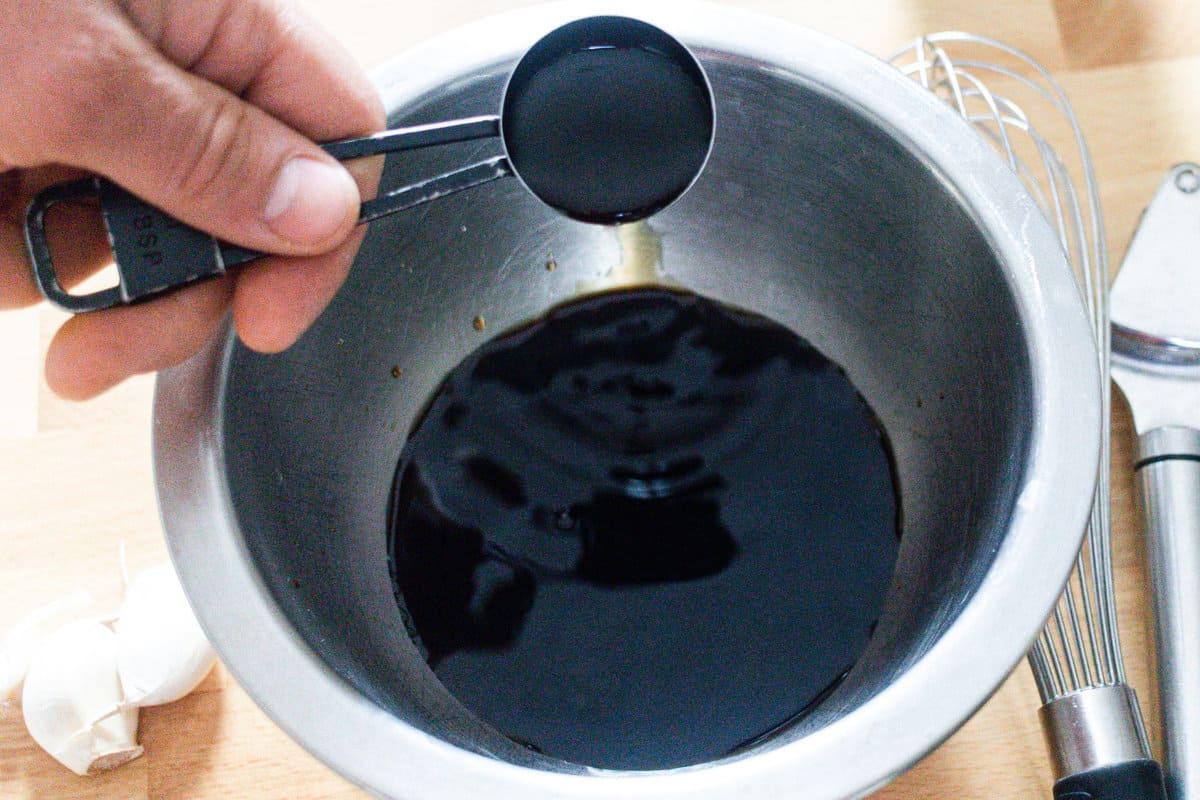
(415, 137)
(156, 253)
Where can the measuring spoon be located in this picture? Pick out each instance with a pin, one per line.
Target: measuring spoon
(606, 119)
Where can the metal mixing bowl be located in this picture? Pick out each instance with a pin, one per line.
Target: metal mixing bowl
(842, 201)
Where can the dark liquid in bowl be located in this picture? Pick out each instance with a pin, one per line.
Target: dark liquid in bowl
(644, 530)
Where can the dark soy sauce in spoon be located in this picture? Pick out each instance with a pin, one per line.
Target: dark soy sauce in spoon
(644, 530)
(608, 119)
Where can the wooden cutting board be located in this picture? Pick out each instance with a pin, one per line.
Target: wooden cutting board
(76, 483)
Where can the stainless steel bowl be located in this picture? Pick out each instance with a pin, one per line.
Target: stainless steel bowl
(840, 200)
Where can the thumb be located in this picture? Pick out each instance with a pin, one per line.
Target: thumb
(200, 153)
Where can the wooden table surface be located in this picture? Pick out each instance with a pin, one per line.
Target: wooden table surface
(76, 483)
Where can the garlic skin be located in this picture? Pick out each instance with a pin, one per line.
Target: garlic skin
(72, 700)
(21, 641)
(162, 653)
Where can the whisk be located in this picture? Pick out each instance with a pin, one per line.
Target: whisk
(1089, 713)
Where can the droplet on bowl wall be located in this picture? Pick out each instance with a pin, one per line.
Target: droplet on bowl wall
(551, 264)
(396, 371)
(478, 323)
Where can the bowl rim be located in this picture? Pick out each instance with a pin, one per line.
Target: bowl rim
(894, 729)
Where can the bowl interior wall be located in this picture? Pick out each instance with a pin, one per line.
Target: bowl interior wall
(809, 212)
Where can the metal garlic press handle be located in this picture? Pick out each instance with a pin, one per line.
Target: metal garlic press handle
(1169, 480)
(156, 253)
(1156, 362)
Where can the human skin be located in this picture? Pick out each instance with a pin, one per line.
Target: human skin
(208, 109)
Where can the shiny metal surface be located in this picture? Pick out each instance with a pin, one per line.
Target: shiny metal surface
(1169, 480)
(1096, 727)
(1090, 715)
(840, 200)
(1150, 324)
(1159, 395)
(1168, 442)
(1156, 362)
(1156, 324)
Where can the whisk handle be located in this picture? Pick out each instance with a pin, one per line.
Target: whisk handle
(1098, 746)
(1132, 780)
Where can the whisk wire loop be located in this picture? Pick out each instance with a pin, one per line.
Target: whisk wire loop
(1089, 715)
(995, 87)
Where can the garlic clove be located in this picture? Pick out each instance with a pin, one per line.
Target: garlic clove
(72, 700)
(162, 653)
(22, 639)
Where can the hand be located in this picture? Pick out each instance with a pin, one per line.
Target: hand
(209, 110)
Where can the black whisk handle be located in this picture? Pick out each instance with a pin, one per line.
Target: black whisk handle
(1130, 780)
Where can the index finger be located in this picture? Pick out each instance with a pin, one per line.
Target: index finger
(271, 54)
(278, 59)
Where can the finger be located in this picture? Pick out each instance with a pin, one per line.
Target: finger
(17, 288)
(197, 151)
(278, 59)
(74, 232)
(93, 352)
(277, 300)
(271, 54)
(16, 284)
(75, 235)
(76, 239)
